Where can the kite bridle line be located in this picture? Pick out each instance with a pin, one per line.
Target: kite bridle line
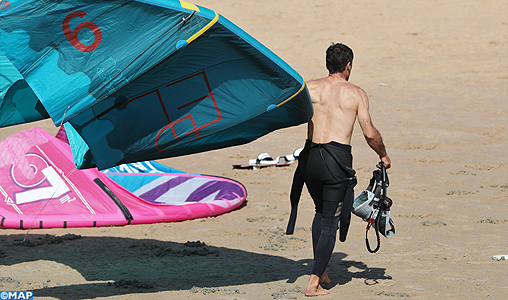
(47, 201)
(63, 117)
(45, 204)
(56, 189)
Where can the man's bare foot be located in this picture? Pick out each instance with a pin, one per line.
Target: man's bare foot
(324, 279)
(314, 289)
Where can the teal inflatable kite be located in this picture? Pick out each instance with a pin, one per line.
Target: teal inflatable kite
(18, 103)
(144, 80)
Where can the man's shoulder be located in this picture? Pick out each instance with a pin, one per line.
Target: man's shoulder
(314, 83)
(354, 88)
(348, 90)
(351, 90)
(342, 88)
(327, 81)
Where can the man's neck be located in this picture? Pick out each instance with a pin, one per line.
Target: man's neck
(340, 76)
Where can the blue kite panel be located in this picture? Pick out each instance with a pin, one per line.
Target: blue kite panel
(179, 79)
(18, 103)
(95, 47)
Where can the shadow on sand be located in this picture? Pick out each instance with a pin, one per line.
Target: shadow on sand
(120, 266)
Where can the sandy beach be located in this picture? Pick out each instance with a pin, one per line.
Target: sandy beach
(436, 73)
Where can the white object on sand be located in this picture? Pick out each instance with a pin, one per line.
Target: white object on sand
(500, 257)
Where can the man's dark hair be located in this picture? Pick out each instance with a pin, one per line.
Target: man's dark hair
(337, 57)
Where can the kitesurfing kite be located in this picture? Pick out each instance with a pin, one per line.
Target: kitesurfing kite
(41, 188)
(142, 80)
(18, 103)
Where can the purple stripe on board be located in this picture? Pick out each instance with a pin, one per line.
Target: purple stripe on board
(226, 190)
(163, 188)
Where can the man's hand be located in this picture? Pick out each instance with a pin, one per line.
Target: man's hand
(386, 161)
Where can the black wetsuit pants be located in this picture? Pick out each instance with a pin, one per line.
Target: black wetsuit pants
(327, 184)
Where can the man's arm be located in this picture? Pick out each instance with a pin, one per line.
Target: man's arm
(371, 134)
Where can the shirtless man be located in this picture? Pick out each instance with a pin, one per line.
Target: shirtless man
(337, 103)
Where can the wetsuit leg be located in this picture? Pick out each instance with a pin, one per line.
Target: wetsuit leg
(327, 193)
(324, 233)
(316, 232)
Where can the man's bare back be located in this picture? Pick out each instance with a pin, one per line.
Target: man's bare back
(337, 103)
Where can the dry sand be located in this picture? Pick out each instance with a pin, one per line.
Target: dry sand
(436, 73)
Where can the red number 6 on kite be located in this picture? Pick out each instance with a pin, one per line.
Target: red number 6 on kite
(73, 36)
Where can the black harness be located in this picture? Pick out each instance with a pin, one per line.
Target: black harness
(381, 206)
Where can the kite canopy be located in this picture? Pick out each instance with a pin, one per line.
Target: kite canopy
(18, 103)
(143, 80)
(40, 188)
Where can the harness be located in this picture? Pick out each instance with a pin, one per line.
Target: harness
(373, 206)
